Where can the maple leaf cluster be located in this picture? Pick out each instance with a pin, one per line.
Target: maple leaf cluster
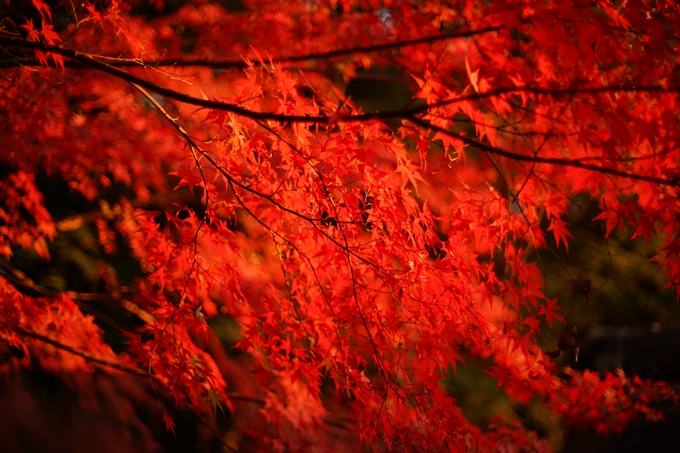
(363, 254)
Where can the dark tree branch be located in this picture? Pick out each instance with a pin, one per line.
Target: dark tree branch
(545, 160)
(240, 64)
(88, 357)
(409, 114)
(19, 278)
(94, 61)
(338, 423)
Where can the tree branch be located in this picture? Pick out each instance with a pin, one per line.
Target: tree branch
(88, 357)
(240, 64)
(546, 160)
(94, 61)
(18, 277)
(141, 373)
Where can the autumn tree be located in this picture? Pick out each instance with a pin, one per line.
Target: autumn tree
(167, 169)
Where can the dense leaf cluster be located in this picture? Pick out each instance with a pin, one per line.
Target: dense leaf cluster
(217, 172)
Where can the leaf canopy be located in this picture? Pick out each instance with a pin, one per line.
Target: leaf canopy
(199, 176)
